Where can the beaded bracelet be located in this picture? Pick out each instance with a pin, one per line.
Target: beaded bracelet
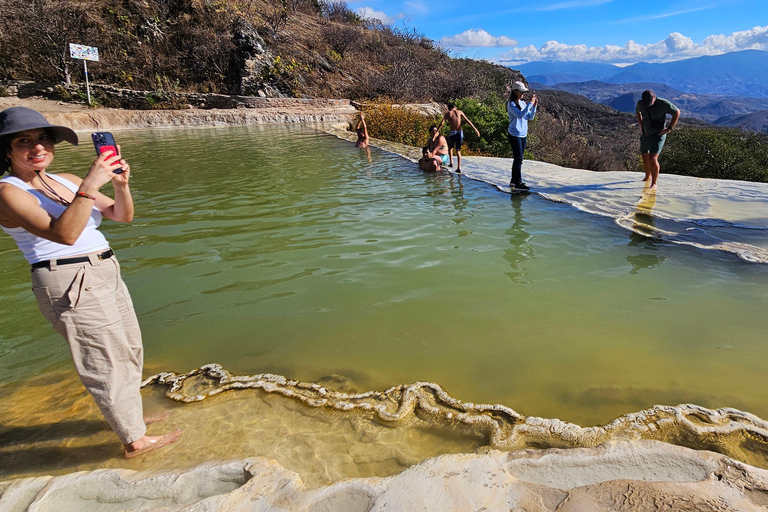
(83, 194)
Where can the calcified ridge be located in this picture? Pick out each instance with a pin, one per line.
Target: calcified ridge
(729, 431)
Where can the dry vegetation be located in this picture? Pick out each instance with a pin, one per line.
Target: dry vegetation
(304, 47)
(321, 48)
(292, 47)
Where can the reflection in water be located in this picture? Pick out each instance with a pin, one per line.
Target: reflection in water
(520, 248)
(457, 193)
(443, 184)
(643, 234)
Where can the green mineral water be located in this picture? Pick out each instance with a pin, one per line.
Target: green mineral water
(285, 250)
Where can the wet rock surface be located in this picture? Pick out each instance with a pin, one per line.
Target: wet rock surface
(226, 111)
(643, 475)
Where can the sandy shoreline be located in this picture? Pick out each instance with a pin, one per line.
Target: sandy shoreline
(625, 475)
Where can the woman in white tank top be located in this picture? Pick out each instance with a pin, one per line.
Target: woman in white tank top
(54, 220)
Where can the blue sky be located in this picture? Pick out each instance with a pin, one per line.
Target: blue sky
(611, 31)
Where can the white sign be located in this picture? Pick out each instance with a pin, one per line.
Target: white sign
(79, 51)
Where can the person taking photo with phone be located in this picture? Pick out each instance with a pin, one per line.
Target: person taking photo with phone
(54, 220)
(519, 114)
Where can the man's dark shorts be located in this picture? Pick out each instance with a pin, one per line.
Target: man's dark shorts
(454, 140)
(652, 145)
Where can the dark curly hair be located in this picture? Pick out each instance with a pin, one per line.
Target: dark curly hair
(5, 147)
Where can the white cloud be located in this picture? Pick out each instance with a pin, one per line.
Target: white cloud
(369, 13)
(675, 47)
(477, 39)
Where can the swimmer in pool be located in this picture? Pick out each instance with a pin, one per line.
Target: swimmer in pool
(362, 132)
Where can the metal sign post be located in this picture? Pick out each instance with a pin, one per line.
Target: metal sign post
(85, 53)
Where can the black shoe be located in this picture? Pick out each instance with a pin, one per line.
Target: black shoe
(519, 186)
(458, 171)
(450, 165)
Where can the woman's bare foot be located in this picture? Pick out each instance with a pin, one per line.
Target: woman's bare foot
(147, 444)
(647, 178)
(652, 187)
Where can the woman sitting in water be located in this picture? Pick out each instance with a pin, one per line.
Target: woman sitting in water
(435, 153)
(54, 219)
(362, 132)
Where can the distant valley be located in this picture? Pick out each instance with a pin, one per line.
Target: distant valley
(719, 110)
(726, 90)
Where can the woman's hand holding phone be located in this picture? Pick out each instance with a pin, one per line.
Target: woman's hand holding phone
(102, 171)
(123, 174)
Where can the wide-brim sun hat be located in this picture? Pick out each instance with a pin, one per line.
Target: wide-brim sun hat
(20, 119)
(518, 86)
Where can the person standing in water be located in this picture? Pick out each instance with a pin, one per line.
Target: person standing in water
(456, 134)
(362, 132)
(54, 220)
(651, 116)
(519, 114)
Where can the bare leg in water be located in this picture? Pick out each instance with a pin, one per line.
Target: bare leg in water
(651, 168)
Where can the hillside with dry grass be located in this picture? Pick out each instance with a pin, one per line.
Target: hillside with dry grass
(320, 49)
(301, 48)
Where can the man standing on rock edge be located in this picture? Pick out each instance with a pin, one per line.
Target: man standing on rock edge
(651, 116)
(455, 135)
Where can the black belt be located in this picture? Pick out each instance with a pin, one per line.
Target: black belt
(68, 261)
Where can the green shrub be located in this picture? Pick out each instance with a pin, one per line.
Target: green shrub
(491, 120)
(716, 153)
(402, 125)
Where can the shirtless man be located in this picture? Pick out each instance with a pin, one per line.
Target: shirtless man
(456, 134)
(435, 154)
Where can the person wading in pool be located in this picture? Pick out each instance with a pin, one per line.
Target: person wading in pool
(651, 116)
(435, 153)
(54, 219)
(456, 134)
(362, 132)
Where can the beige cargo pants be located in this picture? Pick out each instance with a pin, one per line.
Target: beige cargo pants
(88, 304)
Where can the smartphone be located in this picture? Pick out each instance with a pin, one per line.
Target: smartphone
(104, 142)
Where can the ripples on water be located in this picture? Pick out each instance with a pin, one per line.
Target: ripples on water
(279, 249)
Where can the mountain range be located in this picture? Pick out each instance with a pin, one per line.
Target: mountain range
(728, 90)
(720, 110)
(742, 73)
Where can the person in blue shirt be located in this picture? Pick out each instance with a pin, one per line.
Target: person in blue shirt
(519, 114)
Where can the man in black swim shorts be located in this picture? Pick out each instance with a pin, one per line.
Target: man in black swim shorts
(454, 117)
